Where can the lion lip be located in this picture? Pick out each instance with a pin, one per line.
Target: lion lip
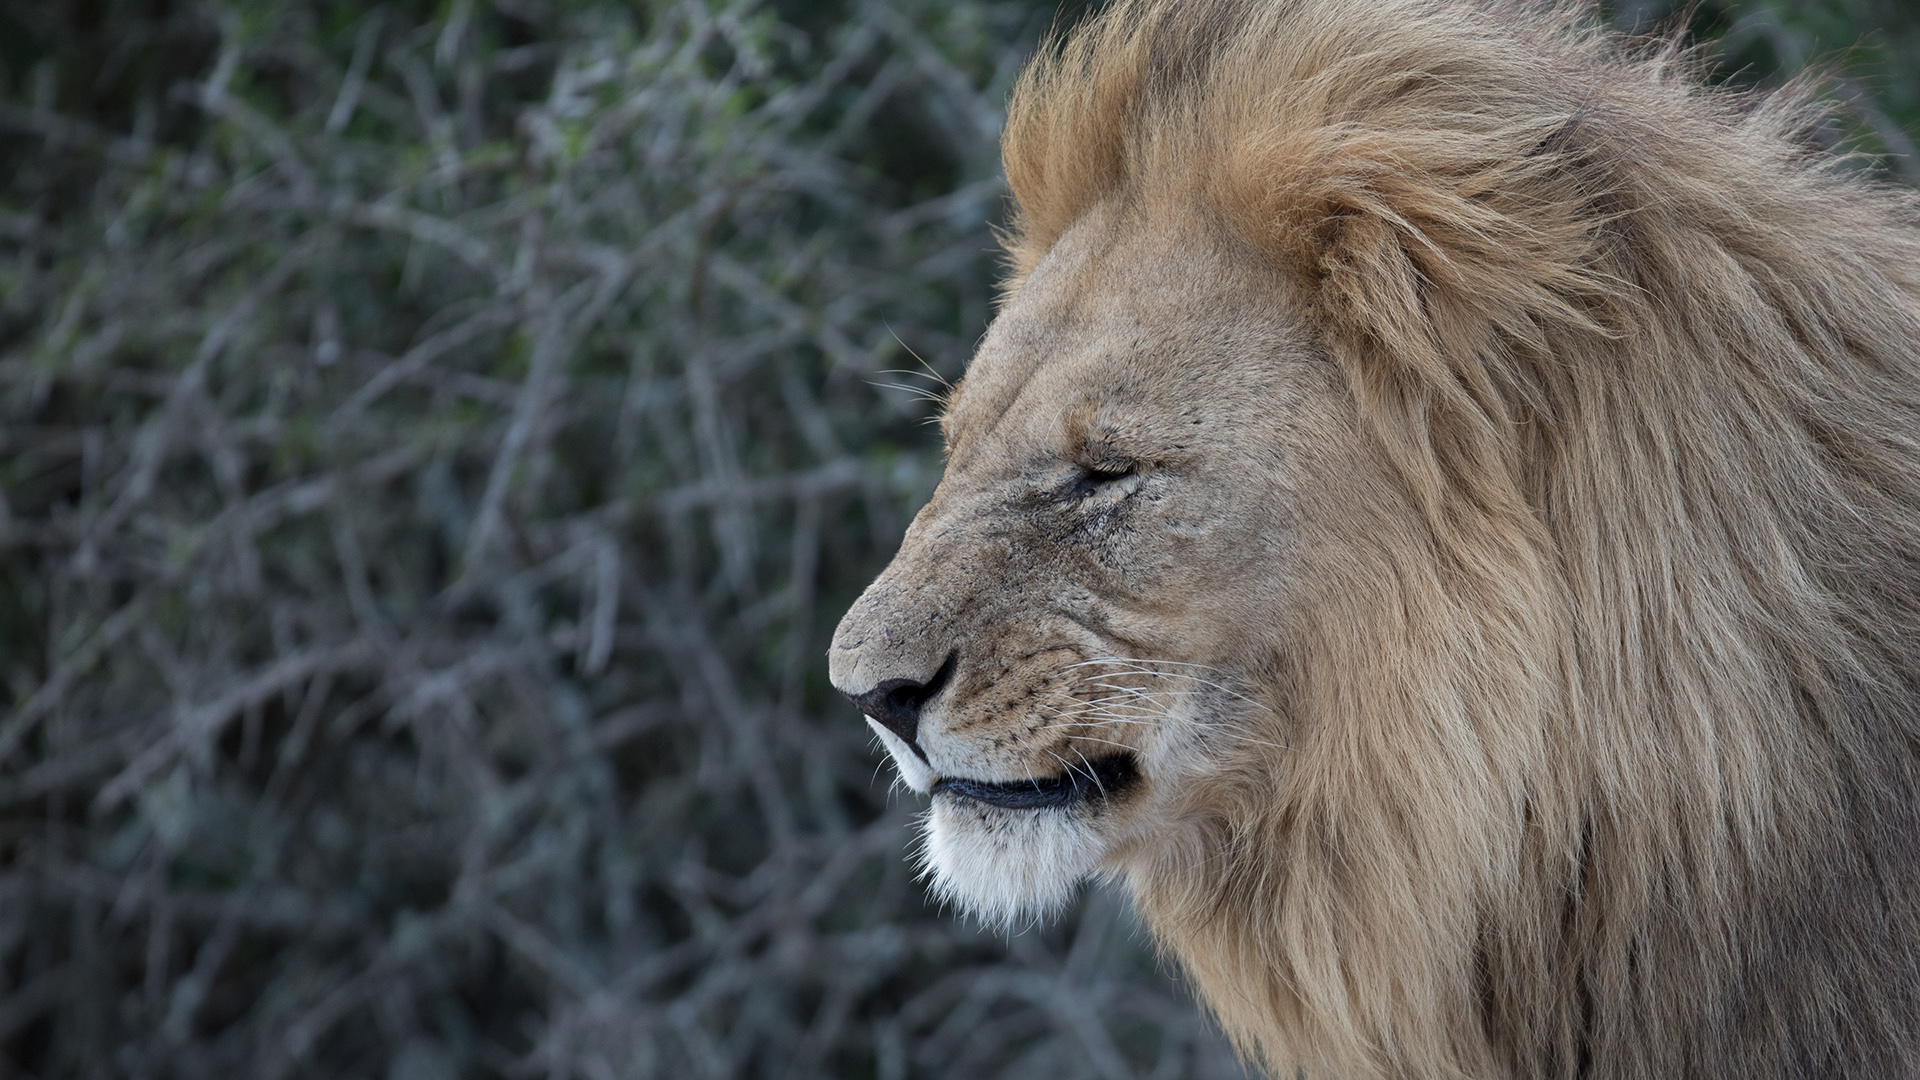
(1099, 779)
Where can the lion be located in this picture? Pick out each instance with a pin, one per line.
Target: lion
(1437, 517)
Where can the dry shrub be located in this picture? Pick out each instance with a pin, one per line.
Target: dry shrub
(435, 450)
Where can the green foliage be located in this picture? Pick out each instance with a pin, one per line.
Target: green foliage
(436, 441)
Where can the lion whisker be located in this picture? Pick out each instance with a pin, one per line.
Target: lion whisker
(1206, 683)
(1109, 742)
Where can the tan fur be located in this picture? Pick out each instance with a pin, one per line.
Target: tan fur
(1512, 599)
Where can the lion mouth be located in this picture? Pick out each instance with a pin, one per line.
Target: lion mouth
(1098, 779)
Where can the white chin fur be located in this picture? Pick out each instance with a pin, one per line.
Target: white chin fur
(1008, 866)
(917, 774)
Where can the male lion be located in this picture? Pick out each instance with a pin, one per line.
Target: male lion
(1438, 515)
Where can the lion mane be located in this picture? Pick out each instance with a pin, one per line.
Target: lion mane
(1620, 777)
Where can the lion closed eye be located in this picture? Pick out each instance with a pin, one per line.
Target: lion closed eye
(1438, 516)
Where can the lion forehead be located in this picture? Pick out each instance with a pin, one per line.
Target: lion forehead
(1136, 311)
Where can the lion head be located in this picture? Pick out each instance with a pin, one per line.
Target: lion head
(1438, 516)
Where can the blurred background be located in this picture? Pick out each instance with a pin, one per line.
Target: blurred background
(437, 438)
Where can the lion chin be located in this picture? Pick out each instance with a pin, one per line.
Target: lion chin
(1011, 853)
(1008, 866)
(1437, 516)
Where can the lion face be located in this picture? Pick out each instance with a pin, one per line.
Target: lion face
(1092, 611)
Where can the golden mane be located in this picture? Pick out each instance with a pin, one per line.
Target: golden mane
(1618, 776)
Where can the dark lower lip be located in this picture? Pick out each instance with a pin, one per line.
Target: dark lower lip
(1100, 778)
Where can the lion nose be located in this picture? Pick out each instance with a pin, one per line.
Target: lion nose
(896, 703)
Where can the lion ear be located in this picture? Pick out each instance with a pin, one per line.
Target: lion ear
(1442, 268)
